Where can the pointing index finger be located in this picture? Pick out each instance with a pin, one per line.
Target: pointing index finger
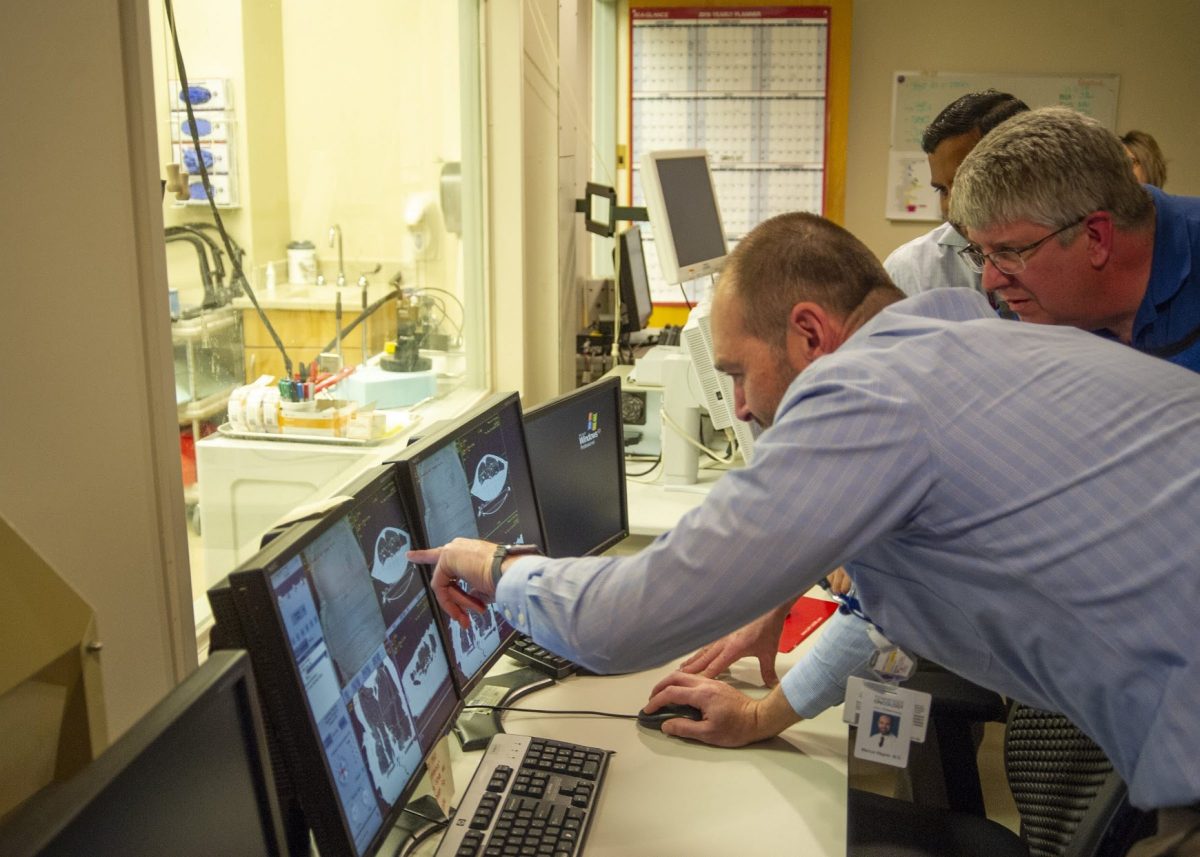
(427, 556)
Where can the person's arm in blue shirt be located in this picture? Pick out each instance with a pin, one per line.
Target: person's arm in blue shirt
(844, 463)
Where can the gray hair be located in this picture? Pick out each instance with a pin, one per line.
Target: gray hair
(1050, 166)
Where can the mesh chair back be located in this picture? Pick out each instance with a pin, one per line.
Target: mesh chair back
(1055, 773)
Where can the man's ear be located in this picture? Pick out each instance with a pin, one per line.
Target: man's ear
(1098, 231)
(811, 332)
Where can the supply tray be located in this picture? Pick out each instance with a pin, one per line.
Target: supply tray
(405, 424)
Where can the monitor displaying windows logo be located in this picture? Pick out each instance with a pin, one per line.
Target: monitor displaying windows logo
(591, 434)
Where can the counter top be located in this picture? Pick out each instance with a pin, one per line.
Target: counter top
(294, 296)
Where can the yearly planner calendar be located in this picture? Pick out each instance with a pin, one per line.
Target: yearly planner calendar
(747, 84)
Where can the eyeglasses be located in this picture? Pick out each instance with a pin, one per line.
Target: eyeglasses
(1008, 261)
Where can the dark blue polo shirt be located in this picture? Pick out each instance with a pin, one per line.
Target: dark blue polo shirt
(1167, 323)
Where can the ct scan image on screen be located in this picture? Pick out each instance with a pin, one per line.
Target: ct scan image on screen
(361, 628)
(475, 482)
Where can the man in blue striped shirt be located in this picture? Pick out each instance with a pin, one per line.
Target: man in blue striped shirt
(1071, 238)
(1013, 501)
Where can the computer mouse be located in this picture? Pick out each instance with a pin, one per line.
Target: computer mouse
(654, 719)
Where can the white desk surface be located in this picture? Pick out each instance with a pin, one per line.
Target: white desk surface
(654, 507)
(664, 796)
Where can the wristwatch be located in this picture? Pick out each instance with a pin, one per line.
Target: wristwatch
(503, 551)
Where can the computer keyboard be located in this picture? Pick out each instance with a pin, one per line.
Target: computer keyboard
(524, 650)
(528, 796)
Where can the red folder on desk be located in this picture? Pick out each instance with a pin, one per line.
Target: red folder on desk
(806, 616)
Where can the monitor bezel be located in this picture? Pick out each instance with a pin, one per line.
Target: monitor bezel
(636, 319)
(267, 636)
(418, 452)
(568, 399)
(664, 237)
(35, 825)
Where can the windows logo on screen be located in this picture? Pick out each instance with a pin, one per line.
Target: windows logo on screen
(591, 434)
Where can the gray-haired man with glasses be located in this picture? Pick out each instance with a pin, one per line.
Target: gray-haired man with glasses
(1126, 262)
(1010, 261)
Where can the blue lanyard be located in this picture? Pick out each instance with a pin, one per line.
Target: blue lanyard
(847, 603)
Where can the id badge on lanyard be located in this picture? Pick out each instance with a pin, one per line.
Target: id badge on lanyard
(889, 717)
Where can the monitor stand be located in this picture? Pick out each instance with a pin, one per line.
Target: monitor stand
(419, 815)
(476, 726)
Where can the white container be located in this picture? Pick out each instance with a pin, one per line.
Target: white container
(302, 262)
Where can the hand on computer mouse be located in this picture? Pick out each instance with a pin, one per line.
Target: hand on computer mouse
(729, 718)
(655, 719)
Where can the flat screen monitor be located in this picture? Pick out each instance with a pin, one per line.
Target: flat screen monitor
(473, 480)
(579, 468)
(356, 678)
(636, 304)
(190, 778)
(682, 202)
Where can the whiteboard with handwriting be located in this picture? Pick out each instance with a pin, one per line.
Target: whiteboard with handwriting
(918, 97)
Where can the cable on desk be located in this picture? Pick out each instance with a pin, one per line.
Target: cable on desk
(425, 817)
(550, 711)
(409, 845)
(652, 468)
(683, 433)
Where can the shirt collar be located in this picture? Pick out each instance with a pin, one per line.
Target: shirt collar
(948, 236)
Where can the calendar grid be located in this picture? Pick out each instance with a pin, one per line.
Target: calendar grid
(747, 87)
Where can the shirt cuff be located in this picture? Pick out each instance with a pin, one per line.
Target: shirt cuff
(510, 591)
(818, 680)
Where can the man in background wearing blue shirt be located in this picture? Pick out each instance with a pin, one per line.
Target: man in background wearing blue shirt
(1011, 501)
(1063, 232)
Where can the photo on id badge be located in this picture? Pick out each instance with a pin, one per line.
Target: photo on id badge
(883, 735)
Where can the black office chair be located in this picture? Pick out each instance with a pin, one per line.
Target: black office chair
(1071, 803)
(943, 772)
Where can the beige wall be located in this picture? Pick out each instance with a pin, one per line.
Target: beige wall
(1151, 45)
(344, 114)
(90, 460)
(372, 103)
(530, 231)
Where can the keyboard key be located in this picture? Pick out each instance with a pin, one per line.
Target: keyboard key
(537, 807)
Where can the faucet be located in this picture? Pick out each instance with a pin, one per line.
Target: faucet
(335, 233)
(211, 297)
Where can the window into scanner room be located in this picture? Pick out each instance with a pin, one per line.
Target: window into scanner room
(343, 148)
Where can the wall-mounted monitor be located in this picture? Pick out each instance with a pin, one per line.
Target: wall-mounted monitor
(355, 675)
(190, 778)
(579, 468)
(473, 480)
(682, 202)
(636, 303)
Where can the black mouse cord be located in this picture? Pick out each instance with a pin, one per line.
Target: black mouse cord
(550, 711)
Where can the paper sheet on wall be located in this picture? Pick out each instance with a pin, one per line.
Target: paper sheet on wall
(918, 97)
